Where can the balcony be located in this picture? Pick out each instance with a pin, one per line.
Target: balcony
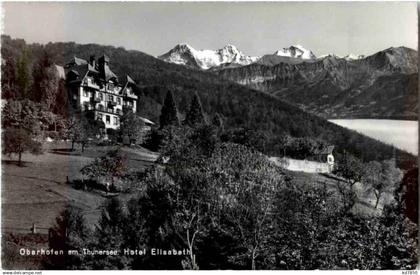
(96, 99)
(90, 83)
(127, 108)
(112, 104)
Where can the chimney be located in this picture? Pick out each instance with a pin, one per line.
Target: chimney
(92, 61)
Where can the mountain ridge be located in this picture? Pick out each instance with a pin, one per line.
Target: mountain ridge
(333, 87)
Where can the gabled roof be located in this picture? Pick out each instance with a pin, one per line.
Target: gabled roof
(76, 61)
(130, 80)
(82, 70)
(92, 69)
(61, 73)
(109, 74)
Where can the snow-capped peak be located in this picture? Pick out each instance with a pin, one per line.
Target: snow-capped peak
(205, 59)
(351, 57)
(296, 51)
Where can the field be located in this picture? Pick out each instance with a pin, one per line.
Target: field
(37, 192)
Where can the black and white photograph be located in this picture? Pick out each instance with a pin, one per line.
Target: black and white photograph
(209, 136)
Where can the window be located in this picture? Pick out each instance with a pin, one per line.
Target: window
(108, 119)
(101, 96)
(110, 86)
(99, 117)
(119, 100)
(110, 97)
(85, 93)
(101, 107)
(115, 120)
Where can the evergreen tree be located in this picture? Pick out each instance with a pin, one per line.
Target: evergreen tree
(61, 106)
(45, 84)
(69, 233)
(23, 77)
(195, 115)
(169, 112)
(218, 121)
(8, 79)
(109, 235)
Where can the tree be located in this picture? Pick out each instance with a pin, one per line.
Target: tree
(49, 87)
(8, 80)
(195, 115)
(82, 129)
(131, 126)
(61, 106)
(69, 233)
(23, 77)
(381, 177)
(17, 141)
(169, 112)
(112, 166)
(407, 194)
(245, 183)
(110, 235)
(41, 78)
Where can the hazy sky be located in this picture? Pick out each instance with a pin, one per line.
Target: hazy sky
(255, 28)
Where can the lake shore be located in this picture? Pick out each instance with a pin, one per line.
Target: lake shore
(403, 134)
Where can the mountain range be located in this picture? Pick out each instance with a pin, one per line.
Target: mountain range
(229, 56)
(382, 85)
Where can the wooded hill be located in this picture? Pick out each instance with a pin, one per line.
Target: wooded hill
(266, 116)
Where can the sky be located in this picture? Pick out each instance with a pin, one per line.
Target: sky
(254, 28)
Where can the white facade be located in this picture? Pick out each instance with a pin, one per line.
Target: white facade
(108, 99)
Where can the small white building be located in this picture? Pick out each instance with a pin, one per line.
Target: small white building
(321, 162)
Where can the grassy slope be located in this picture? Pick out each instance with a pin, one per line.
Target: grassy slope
(37, 192)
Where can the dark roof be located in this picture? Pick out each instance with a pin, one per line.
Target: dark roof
(77, 61)
(109, 74)
(92, 69)
(81, 70)
(103, 58)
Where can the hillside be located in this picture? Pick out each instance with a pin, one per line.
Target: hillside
(383, 85)
(239, 106)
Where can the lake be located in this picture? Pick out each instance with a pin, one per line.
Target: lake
(402, 134)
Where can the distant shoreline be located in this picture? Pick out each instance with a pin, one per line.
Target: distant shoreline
(381, 118)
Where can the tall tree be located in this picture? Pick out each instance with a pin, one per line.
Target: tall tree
(45, 82)
(69, 233)
(218, 122)
(8, 79)
(169, 112)
(61, 106)
(23, 77)
(195, 115)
